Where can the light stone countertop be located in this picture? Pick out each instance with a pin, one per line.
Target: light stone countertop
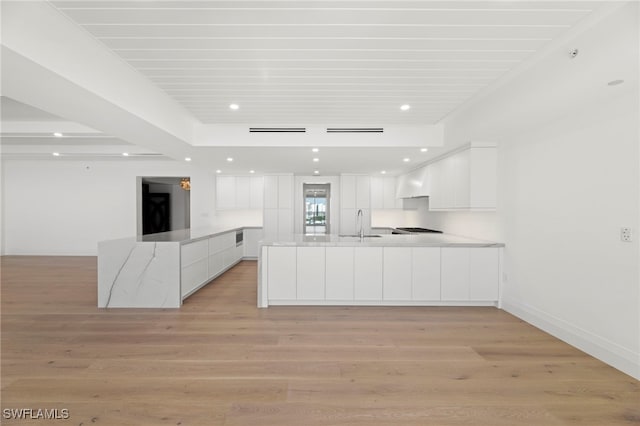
(184, 236)
(419, 240)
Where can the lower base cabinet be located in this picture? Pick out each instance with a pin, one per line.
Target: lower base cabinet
(364, 275)
(396, 273)
(425, 277)
(367, 264)
(470, 273)
(339, 273)
(203, 260)
(310, 277)
(281, 274)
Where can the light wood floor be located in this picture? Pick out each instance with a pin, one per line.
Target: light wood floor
(221, 361)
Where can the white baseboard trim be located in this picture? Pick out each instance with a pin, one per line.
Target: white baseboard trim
(273, 302)
(606, 351)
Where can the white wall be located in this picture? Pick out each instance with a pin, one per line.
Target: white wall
(568, 181)
(243, 217)
(66, 207)
(394, 218)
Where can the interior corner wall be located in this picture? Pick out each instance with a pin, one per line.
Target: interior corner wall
(568, 183)
(65, 207)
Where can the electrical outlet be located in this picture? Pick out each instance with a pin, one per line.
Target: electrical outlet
(625, 235)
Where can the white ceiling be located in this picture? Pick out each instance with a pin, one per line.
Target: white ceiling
(302, 63)
(324, 61)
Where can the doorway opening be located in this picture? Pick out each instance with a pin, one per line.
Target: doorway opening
(316, 208)
(164, 204)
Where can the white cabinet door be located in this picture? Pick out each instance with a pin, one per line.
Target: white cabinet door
(193, 275)
(368, 273)
(225, 192)
(437, 186)
(377, 193)
(455, 273)
(216, 264)
(339, 271)
(281, 275)
(310, 273)
(363, 192)
(448, 182)
(194, 265)
(256, 193)
(389, 193)
(397, 273)
(425, 277)
(483, 178)
(270, 200)
(270, 223)
(347, 192)
(484, 273)
(229, 257)
(348, 221)
(243, 192)
(285, 222)
(285, 192)
(466, 180)
(461, 183)
(192, 252)
(250, 242)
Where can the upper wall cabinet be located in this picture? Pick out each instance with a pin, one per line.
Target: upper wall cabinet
(355, 192)
(383, 193)
(239, 192)
(465, 180)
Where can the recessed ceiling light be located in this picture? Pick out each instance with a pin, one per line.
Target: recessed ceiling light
(229, 159)
(405, 107)
(187, 158)
(234, 106)
(252, 171)
(406, 160)
(384, 172)
(315, 150)
(57, 134)
(56, 154)
(315, 160)
(423, 150)
(615, 82)
(315, 172)
(218, 171)
(125, 154)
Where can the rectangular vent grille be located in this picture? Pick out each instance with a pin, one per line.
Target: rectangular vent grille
(277, 130)
(355, 130)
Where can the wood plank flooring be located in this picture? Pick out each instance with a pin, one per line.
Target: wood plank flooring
(221, 361)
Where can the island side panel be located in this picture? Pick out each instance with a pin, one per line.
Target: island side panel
(134, 274)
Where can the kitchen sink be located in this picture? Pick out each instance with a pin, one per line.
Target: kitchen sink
(358, 236)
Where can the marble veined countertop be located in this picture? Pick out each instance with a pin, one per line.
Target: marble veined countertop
(417, 240)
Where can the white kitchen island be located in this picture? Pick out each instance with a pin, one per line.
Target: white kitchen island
(389, 270)
(161, 270)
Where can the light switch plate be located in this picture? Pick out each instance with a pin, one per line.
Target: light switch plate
(626, 235)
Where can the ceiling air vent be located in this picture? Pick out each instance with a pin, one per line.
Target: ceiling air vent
(355, 130)
(277, 130)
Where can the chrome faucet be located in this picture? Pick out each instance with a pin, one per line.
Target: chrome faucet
(359, 219)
